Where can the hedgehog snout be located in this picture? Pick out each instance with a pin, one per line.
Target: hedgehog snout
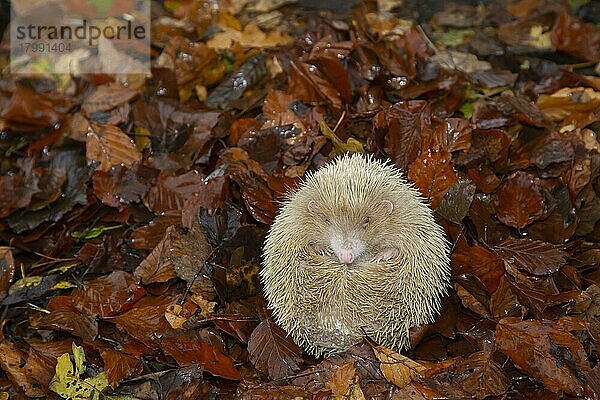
(347, 249)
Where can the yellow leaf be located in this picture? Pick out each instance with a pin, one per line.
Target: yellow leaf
(67, 382)
(396, 368)
(351, 146)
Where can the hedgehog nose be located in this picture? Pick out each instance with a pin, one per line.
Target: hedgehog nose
(346, 256)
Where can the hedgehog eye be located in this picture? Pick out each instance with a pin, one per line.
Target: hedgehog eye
(366, 222)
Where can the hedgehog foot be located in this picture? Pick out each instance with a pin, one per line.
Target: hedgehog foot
(386, 254)
(321, 249)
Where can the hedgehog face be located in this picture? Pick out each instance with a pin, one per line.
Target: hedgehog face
(351, 234)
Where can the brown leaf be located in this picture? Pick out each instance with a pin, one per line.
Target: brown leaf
(119, 186)
(534, 256)
(344, 383)
(545, 351)
(32, 110)
(7, 270)
(272, 351)
(479, 261)
(503, 301)
(157, 266)
(84, 326)
(148, 236)
(120, 366)
(306, 83)
(396, 368)
(455, 205)
(433, 175)
(146, 321)
(408, 125)
(41, 361)
(572, 35)
(256, 186)
(107, 97)
(171, 192)
(479, 375)
(522, 110)
(212, 196)
(562, 103)
(110, 146)
(475, 300)
(204, 348)
(520, 201)
(12, 361)
(188, 252)
(108, 295)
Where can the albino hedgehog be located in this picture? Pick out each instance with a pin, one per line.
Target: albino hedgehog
(354, 251)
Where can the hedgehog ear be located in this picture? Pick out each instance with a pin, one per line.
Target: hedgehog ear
(389, 206)
(311, 206)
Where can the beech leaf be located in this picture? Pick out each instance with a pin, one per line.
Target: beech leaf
(534, 256)
(272, 351)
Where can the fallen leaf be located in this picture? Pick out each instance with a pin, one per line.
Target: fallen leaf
(534, 256)
(108, 145)
(520, 201)
(205, 349)
(396, 368)
(108, 295)
(433, 174)
(572, 35)
(7, 270)
(546, 351)
(272, 351)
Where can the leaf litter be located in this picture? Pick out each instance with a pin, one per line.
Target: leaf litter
(133, 210)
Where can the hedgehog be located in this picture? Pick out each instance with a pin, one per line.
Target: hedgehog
(355, 251)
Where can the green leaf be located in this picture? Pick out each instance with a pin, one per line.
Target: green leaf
(453, 37)
(467, 110)
(93, 232)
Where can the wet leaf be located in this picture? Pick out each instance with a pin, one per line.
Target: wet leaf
(120, 366)
(109, 295)
(546, 351)
(171, 192)
(93, 232)
(456, 203)
(272, 351)
(77, 323)
(408, 125)
(520, 201)
(433, 175)
(157, 267)
(119, 185)
(146, 320)
(480, 262)
(12, 361)
(234, 86)
(204, 349)
(478, 375)
(110, 146)
(107, 97)
(7, 270)
(308, 84)
(534, 256)
(147, 237)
